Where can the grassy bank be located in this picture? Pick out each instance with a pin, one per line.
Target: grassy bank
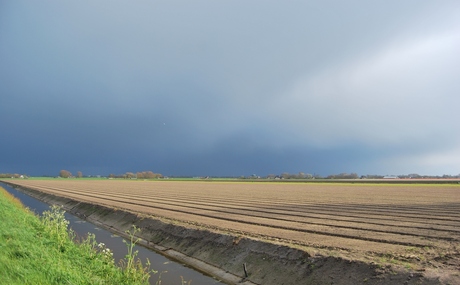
(37, 250)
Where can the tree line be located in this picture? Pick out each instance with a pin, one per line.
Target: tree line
(137, 175)
(301, 175)
(67, 174)
(128, 175)
(285, 175)
(11, 175)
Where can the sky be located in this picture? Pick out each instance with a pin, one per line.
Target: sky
(230, 88)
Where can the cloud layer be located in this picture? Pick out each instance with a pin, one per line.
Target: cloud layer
(230, 88)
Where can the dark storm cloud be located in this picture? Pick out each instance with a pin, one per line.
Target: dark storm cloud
(229, 88)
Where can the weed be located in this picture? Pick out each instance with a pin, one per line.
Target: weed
(133, 269)
(185, 282)
(408, 266)
(57, 226)
(411, 249)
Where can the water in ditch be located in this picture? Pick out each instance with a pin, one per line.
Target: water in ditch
(172, 272)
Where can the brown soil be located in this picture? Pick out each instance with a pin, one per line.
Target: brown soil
(285, 233)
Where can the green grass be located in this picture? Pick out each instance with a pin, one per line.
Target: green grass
(37, 250)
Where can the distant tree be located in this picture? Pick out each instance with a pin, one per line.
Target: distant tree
(285, 175)
(65, 174)
(79, 174)
(308, 176)
(148, 175)
(138, 175)
(15, 175)
(343, 176)
(129, 175)
(372, 176)
(300, 175)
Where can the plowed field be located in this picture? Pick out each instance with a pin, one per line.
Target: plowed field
(362, 217)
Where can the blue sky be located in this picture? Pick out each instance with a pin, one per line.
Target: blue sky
(229, 88)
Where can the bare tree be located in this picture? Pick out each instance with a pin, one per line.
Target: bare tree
(65, 174)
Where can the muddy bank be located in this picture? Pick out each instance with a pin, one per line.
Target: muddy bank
(236, 259)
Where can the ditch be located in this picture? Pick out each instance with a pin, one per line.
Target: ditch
(171, 272)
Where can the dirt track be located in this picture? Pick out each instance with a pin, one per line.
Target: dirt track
(414, 223)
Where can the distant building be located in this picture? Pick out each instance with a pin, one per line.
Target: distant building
(390, 177)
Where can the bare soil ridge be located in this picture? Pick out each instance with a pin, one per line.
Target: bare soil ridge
(285, 233)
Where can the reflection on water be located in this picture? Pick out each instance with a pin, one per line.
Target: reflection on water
(172, 271)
